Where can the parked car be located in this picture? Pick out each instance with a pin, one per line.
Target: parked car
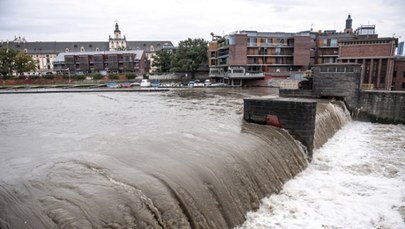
(145, 83)
(207, 83)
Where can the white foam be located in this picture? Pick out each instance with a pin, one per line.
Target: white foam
(356, 180)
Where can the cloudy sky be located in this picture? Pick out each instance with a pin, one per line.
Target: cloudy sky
(176, 20)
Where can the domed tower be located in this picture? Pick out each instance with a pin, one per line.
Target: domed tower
(348, 28)
(117, 42)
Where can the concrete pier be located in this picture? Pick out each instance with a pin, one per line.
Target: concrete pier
(293, 114)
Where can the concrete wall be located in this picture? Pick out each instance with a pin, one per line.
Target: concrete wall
(381, 106)
(338, 80)
(295, 115)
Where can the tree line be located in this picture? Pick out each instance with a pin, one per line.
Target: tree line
(190, 55)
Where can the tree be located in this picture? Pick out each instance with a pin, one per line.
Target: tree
(190, 55)
(163, 60)
(23, 63)
(7, 57)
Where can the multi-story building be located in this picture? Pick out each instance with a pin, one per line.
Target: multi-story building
(376, 55)
(247, 55)
(109, 61)
(244, 56)
(45, 53)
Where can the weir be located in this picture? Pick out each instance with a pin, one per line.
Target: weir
(161, 183)
(310, 121)
(213, 189)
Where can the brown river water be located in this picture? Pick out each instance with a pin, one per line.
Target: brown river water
(178, 159)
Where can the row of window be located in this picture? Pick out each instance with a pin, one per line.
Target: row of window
(366, 42)
(337, 69)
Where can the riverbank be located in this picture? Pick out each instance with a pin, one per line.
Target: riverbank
(79, 90)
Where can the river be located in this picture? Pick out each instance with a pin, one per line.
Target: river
(178, 159)
(356, 180)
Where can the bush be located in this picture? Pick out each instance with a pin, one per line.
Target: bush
(97, 76)
(49, 76)
(130, 76)
(113, 76)
(79, 77)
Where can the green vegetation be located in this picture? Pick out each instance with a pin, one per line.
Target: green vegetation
(163, 61)
(130, 76)
(97, 76)
(191, 54)
(113, 76)
(11, 60)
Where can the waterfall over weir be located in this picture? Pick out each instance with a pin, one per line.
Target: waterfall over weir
(88, 171)
(330, 117)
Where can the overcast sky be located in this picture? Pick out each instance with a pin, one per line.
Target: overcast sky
(176, 20)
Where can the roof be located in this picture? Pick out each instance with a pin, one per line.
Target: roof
(55, 47)
(61, 56)
(146, 45)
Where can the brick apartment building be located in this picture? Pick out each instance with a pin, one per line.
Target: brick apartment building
(250, 55)
(244, 57)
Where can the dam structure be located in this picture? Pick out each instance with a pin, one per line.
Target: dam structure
(181, 159)
(296, 109)
(176, 173)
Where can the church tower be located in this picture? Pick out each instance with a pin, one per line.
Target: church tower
(117, 42)
(348, 28)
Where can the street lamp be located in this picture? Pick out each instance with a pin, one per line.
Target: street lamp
(68, 74)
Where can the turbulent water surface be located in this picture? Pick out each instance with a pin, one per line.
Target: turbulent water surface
(356, 180)
(178, 159)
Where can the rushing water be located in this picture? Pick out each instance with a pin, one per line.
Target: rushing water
(176, 159)
(185, 159)
(356, 180)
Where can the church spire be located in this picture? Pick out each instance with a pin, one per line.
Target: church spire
(117, 32)
(348, 28)
(117, 29)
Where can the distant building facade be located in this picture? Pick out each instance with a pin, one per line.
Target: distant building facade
(398, 80)
(45, 53)
(110, 61)
(248, 56)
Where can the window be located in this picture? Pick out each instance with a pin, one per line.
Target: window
(340, 69)
(403, 74)
(349, 69)
(82, 49)
(332, 69)
(403, 85)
